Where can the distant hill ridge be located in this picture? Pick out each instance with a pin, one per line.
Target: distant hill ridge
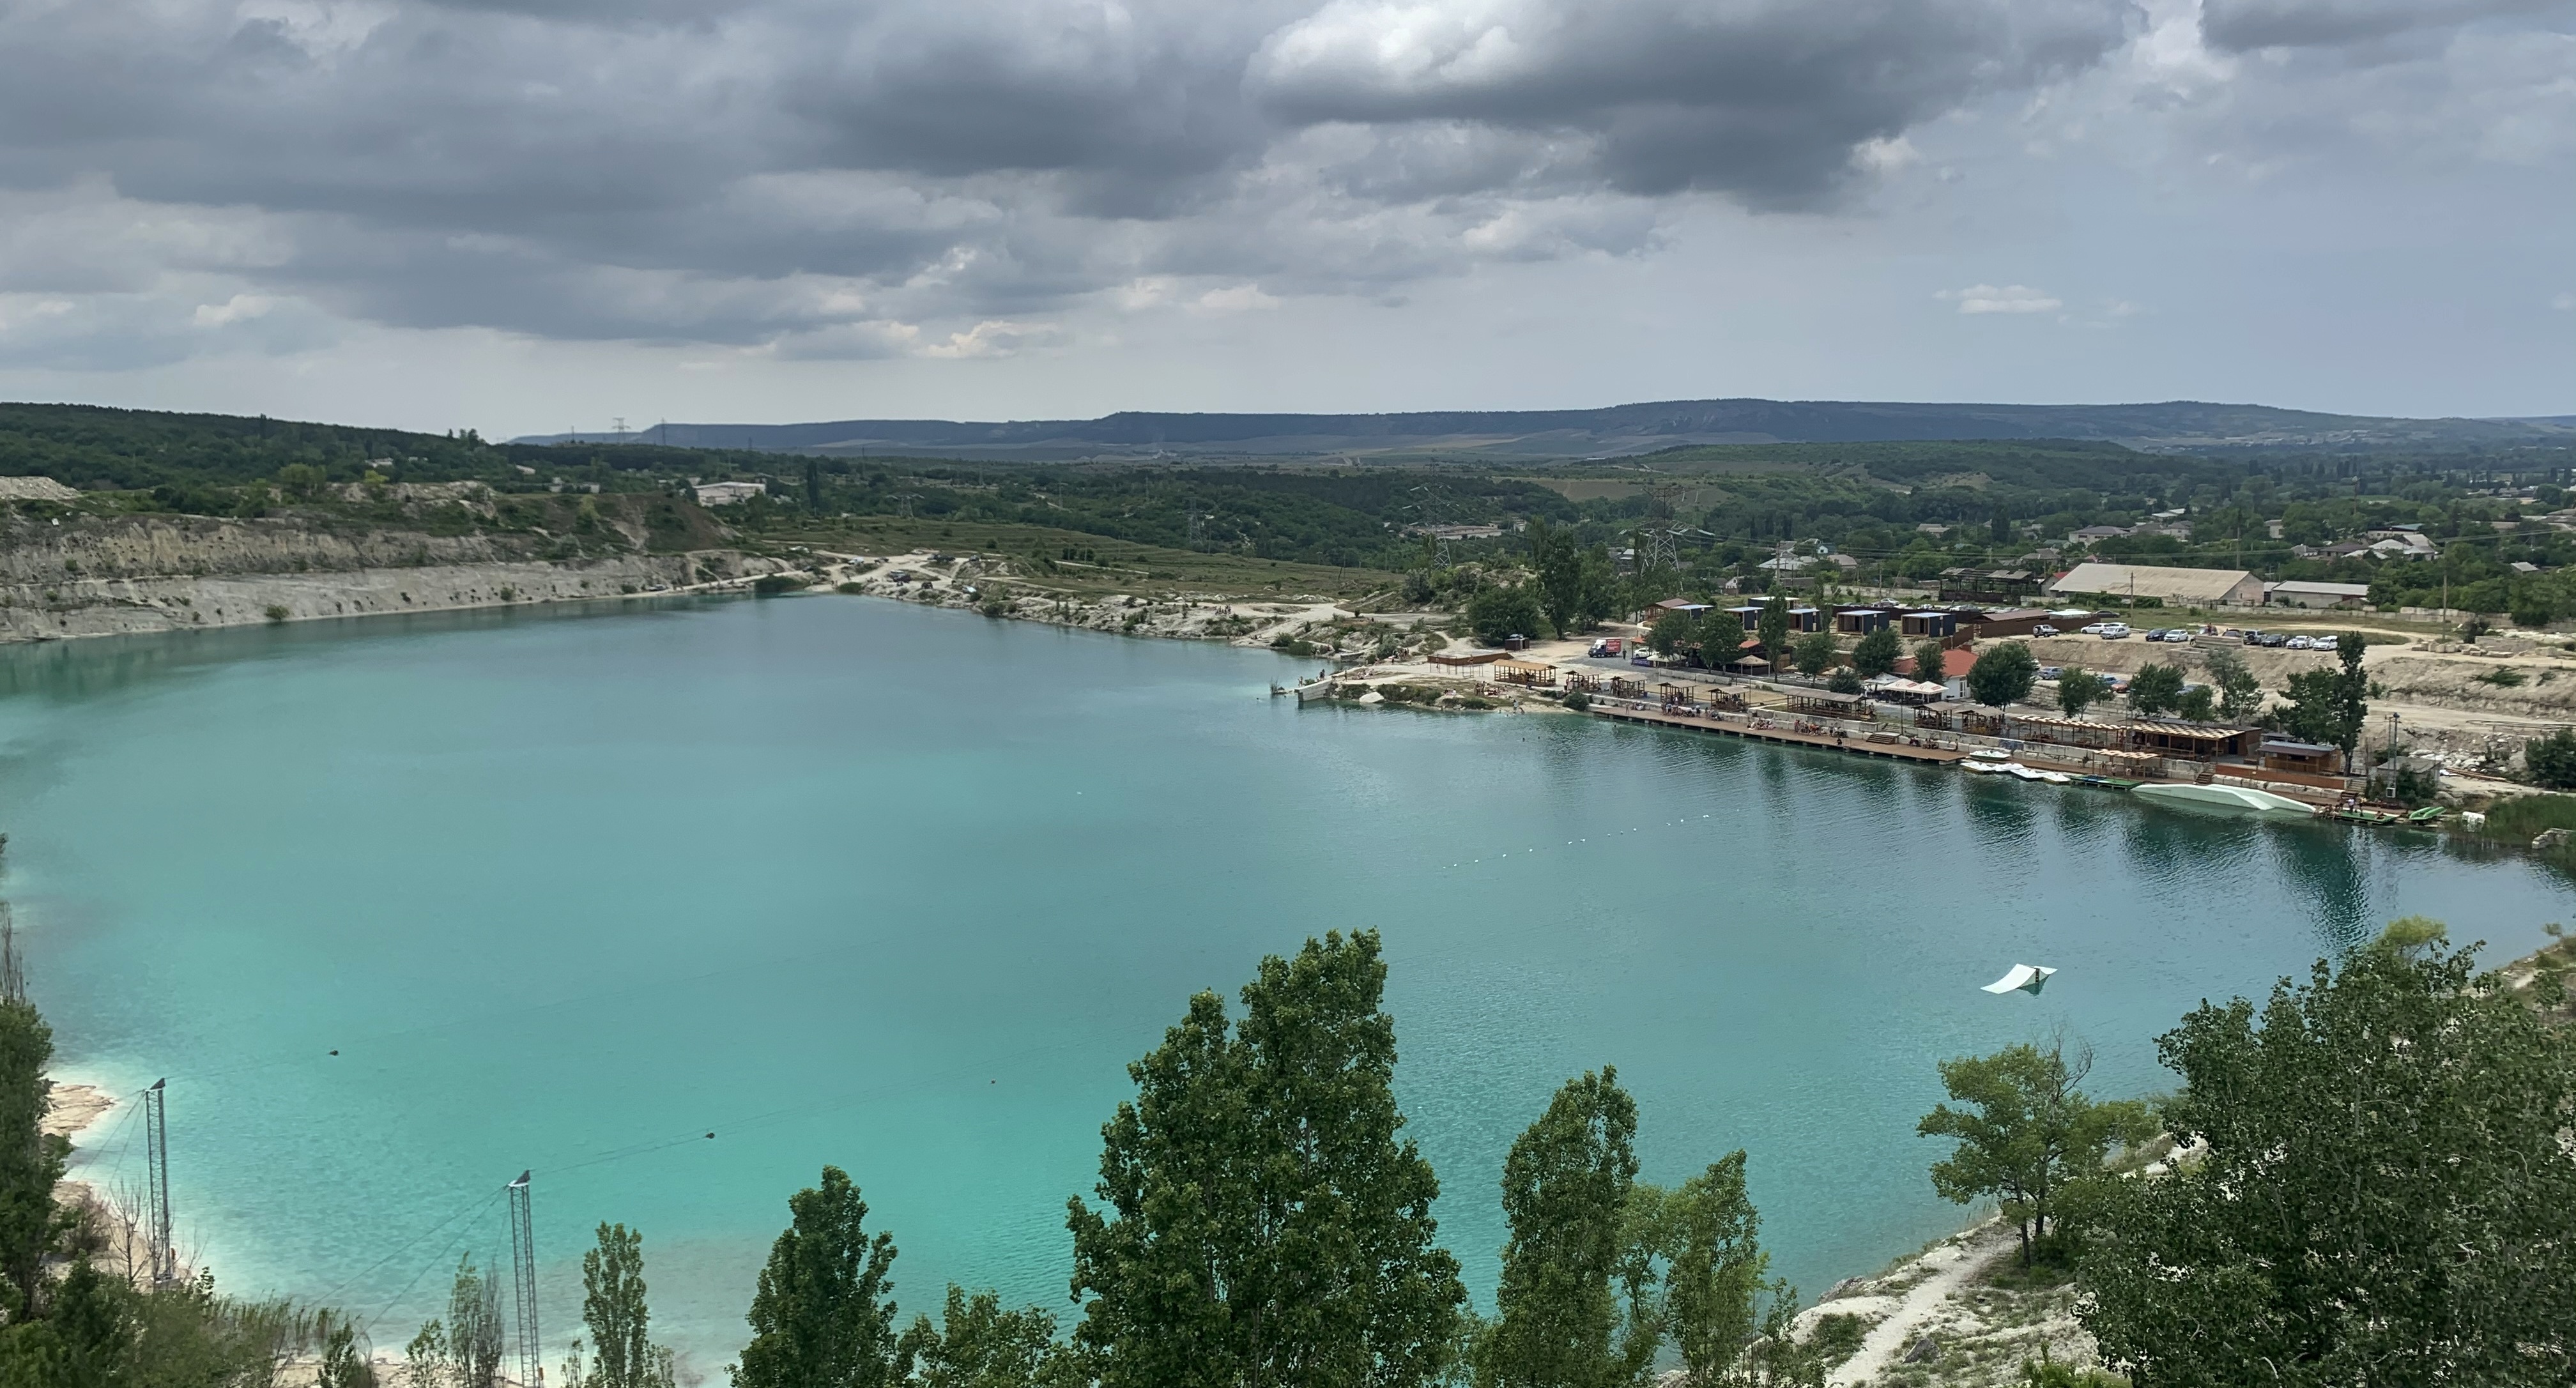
(1616, 430)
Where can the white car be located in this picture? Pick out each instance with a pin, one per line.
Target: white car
(2296, 643)
(2096, 629)
(2115, 631)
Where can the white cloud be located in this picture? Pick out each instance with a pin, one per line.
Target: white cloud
(2008, 298)
(236, 309)
(1240, 298)
(2564, 303)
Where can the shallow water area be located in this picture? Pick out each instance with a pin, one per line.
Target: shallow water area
(671, 906)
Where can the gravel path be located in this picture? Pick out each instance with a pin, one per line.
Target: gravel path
(1954, 1266)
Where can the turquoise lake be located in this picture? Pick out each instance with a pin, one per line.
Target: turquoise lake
(904, 891)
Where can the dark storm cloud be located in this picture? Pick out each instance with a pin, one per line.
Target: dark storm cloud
(2242, 25)
(1765, 99)
(819, 172)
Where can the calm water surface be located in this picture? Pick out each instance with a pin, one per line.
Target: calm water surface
(853, 882)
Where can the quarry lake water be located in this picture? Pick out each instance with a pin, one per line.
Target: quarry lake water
(838, 880)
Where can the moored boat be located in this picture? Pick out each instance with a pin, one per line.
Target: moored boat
(2229, 798)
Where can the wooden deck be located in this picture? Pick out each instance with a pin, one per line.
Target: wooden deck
(1890, 751)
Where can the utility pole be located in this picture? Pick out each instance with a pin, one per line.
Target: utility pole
(523, 1263)
(156, 1132)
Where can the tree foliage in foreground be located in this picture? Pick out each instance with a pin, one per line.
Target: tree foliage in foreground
(2387, 1197)
(1602, 1270)
(1566, 1190)
(613, 1310)
(1262, 1223)
(823, 1314)
(2028, 1136)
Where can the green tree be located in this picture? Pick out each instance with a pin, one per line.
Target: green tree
(2240, 694)
(1714, 1277)
(1575, 585)
(614, 1311)
(823, 1315)
(2384, 1196)
(2027, 1134)
(1566, 1191)
(1498, 613)
(1673, 632)
(2155, 689)
(1875, 654)
(1931, 662)
(464, 1350)
(1773, 628)
(979, 1345)
(1815, 653)
(2331, 706)
(2199, 703)
(2003, 674)
(2078, 689)
(2551, 761)
(1264, 1223)
(31, 1161)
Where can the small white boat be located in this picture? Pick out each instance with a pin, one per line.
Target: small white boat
(1986, 760)
(2229, 798)
(2057, 778)
(2021, 772)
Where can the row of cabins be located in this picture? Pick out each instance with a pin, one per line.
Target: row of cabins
(2138, 744)
(1942, 623)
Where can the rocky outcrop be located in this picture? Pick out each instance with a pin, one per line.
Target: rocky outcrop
(120, 575)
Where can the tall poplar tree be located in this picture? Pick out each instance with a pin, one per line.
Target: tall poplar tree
(1566, 1190)
(823, 1316)
(1262, 1224)
(31, 1160)
(613, 1309)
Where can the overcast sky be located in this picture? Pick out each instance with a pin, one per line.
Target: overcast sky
(524, 215)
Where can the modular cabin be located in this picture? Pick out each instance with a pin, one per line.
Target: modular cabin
(1931, 623)
(1806, 619)
(2179, 740)
(1861, 621)
(2309, 758)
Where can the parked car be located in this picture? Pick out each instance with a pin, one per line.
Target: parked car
(2096, 628)
(2274, 638)
(2300, 643)
(2050, 672)
(2043, 629)
(2253, 636)
(2115, 631)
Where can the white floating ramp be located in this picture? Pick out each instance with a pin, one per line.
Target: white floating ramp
(2024, 978)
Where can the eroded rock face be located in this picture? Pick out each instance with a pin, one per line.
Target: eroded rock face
(91, 576)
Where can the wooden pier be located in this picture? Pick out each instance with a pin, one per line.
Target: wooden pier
(1890, 751)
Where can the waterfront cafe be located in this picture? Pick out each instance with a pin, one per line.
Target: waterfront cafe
(2187, 741)
(1826, 704)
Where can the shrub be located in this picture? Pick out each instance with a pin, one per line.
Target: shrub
(2551, 760)
(770, 585)
(276, 612)
(1577, 700)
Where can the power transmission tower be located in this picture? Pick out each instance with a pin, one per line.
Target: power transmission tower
(523, 1262)
(156, 1134)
